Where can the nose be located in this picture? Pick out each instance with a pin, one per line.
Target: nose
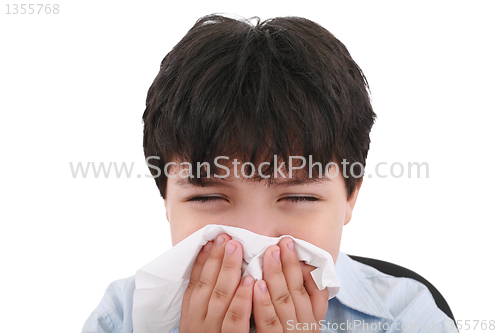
(262, 221)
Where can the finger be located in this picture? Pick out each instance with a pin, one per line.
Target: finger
(319, 298)
(276, 283)
(227, 282)
(266, 319)
(294, 280)
(237, 317)
(203, 288)
(195, 275)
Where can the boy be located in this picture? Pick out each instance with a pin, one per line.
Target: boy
(244, 126)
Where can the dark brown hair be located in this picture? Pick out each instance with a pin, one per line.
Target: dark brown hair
(279, 87)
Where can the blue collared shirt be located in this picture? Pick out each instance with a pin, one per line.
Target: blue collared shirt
(368, 301)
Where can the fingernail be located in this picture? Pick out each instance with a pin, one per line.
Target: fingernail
(219, 240)
(276, 255)
(230, 248)
(262, 286)
(247, 280)
(207, 246)
(291, 245)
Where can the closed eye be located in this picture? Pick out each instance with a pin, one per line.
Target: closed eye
(205, 199)
(292, 199)
(296, 199)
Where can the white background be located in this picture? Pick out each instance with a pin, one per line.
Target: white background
(73, 89)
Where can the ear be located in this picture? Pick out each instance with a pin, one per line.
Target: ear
(351, 201)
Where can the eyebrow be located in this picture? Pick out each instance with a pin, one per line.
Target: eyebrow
(206, 182)
(221, 182)
(301, 181)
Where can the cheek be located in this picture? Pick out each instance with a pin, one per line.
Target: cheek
(181, 225)
(326, 230)
(327, 238)
(185, 221)
(182, 221)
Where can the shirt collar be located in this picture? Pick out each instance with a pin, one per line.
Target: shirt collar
(356, 291)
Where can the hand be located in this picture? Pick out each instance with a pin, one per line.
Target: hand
(216, 298)
(287, 299)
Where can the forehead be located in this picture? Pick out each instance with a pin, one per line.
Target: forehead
(184, 175)
(231, 180)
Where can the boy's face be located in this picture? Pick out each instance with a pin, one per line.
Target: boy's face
(317, 214)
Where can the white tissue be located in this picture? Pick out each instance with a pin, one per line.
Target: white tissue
(160, 285)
